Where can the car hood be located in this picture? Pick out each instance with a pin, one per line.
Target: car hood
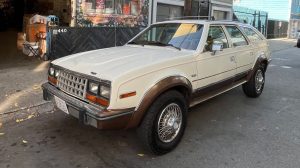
(112, 62)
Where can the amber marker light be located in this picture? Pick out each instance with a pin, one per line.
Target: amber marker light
(125, 95)
(52, 80)
(97, 100)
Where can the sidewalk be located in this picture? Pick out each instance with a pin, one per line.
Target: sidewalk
(21, 93)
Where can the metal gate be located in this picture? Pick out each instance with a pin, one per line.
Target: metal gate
(70, 40)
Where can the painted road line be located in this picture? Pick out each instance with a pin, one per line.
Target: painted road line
(281, 59)
(286, 67)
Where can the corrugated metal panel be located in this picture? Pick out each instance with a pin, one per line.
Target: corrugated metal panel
(71, 40)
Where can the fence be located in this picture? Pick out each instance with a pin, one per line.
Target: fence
(70, 40)
(277, 29)
(257, 19)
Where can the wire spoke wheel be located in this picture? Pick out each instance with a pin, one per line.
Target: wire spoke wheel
(169, 123)
(259, 80)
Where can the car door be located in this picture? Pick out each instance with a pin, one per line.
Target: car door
(216, 69)
(243, 50)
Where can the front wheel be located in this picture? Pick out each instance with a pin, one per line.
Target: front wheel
(163, 126)
(254, 87)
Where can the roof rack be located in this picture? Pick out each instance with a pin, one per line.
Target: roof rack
(235, 21)
(193, 17)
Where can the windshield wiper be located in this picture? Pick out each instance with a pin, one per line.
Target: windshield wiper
(133, 42)
(162, 44)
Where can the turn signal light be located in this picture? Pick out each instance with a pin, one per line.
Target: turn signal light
(52, 80)
(97, 100)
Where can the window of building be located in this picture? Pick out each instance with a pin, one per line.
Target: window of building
(220, 15)
(200, 8)
(216, 34)
(236, 35)
(167, 12)
(110, 13)
(125, 7)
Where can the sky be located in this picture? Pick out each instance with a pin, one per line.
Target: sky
(277, 9)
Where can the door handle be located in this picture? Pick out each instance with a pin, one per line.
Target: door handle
(232, 59)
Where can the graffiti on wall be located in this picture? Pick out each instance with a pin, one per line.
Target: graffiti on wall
(112, 13)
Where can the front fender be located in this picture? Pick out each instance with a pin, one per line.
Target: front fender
(156, 90)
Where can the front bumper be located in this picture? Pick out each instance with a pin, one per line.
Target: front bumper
(87, 113)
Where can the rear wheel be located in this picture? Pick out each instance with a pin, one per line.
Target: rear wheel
(163, 126)
(254, 87)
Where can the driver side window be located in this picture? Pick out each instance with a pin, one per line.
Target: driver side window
(215, 34)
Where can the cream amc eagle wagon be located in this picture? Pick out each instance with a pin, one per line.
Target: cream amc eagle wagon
(151, 82)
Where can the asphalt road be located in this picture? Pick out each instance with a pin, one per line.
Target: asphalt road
(229, 131)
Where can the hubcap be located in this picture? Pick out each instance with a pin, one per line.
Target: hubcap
(169, 123)
(259, 80)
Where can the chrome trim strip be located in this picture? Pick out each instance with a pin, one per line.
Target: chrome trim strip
(203, 100)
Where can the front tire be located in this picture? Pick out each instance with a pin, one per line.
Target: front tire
(254, 87)
(163, 126)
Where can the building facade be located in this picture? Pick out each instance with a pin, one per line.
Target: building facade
(294, 26)
(219, 9)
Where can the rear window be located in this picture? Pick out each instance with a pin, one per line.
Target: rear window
(251, 34)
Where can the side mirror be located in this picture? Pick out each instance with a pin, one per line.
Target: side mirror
(217, 46)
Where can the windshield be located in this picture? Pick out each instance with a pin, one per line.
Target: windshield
(177, 35)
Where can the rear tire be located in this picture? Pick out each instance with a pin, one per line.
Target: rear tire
(254, 87)
(164, 123)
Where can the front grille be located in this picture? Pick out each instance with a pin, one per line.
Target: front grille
(72, 84)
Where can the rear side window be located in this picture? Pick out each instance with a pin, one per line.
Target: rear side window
(236, 35)
(251, 34)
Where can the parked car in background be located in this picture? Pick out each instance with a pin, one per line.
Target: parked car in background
(151, 82)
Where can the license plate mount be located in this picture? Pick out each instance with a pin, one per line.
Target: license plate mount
(61, 104)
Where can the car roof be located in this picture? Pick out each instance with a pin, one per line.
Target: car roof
(224, 22)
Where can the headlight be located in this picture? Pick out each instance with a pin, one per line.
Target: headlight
(51, 71)
(105, 91)
(93, 88)
(56, 73)
(52, 78)
(98, 93)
